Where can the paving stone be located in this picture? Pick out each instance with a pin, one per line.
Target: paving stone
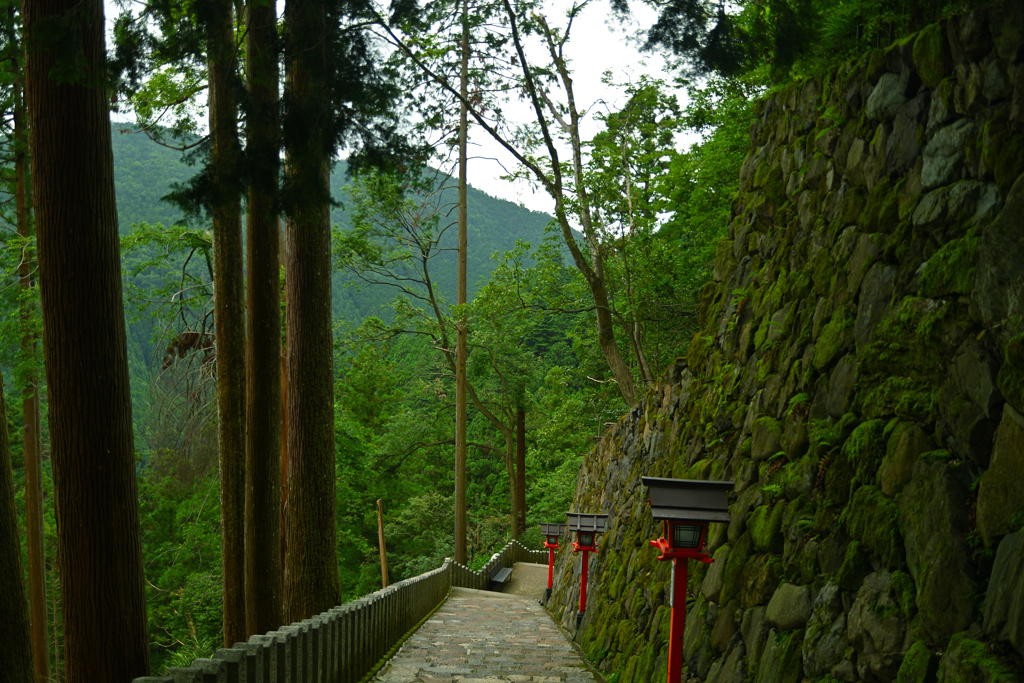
(481, 637)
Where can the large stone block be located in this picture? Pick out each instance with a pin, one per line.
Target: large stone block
(944, 154)
(934, 522)
(877, 625)
(932, 56)
(790, 607)
(767, 438)
(1004, 600)
(711, 587)
(967, 660)
(841, 384)
(886, 98)
(781, 661)
(998, 294)
(919, 665)
(906, 442)
(1001, 491)
(825, 636)
(904, 145)
(875, 299)
(765, 527)
(872, 519)
(754, 629)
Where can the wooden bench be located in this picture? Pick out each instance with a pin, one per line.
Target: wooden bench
(499, 574)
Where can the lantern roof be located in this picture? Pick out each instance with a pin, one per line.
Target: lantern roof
(579, 521)
(552, 529)
(688, 499)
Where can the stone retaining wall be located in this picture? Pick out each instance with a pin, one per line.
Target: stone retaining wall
(860, 375)
(344, 643)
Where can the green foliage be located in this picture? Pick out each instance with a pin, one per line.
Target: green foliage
(179, 510)
(703, 181)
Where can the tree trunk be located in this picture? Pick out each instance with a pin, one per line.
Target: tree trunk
(229, 293)
(32, 434)
(14, 623)
(54, 590)
(312, 584)
(284, 458)
(461, 326)
(605, 325)
(263, 575)
(521, 466)
(84, 345)
(513, 486)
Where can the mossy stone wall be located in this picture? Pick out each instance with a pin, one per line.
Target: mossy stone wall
(859, 376)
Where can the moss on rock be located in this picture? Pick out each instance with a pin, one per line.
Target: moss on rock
(1011, 374)
(854, 568)
(932, 55)
(1009, 164)
(865, 448)
(920, 665)
(970, 661)
(836, 337)
(873, 519)
(881, 213)
(699, 350)
(950, 270)
(761, 577)
(765, 527)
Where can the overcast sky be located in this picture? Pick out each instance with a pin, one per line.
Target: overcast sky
(599, 43)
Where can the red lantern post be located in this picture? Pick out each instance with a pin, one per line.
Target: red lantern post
(551, 533)
(680, 558)
(586, 528)
(686, 508)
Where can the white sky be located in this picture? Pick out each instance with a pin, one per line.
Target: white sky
(599, 42)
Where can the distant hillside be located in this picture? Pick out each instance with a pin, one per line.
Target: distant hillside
(144, 172)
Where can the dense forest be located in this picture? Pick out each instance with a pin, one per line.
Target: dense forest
(242, 343)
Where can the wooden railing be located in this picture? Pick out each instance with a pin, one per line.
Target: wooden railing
(346, 643)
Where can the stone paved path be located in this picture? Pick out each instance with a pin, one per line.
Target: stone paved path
(483, 637)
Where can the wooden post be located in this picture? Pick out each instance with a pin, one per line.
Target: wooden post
(380, 541)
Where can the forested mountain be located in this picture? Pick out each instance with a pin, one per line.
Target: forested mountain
(144, 172)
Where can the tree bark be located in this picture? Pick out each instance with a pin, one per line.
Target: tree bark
(312, 584)
(513, 486)
(14, 622)
(54, 590)
(229, 293)
(31, 433)
(263, 573)
(84, 344)
(521, 466)
(461, 325)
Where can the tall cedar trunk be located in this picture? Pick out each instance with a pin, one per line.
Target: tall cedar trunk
(521, 466)
(284, 455)
(229, 293)
(85, 349)
(14, 626)
(311, 577)
(263, 577)
(31, 432)
(513, 486)
(461, 332)
(55, 614)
